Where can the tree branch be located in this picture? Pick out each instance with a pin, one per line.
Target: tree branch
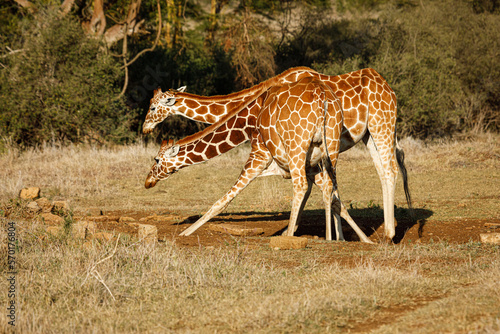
(24, 4)
(124, 50)
(66, 6)
(118, 31)
(156, 40)
(11, 52)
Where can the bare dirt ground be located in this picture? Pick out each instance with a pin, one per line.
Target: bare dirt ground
(312, 227)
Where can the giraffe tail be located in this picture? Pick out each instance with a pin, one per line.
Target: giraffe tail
(327, 162)
(400, 158)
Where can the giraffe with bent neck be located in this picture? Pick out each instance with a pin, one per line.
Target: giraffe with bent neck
(273, 137)
(369, 110)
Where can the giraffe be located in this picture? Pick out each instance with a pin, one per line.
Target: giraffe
(369, 110)
(239, 126)
(209, 109)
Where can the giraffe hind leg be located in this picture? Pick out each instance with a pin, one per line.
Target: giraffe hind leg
(385, 163)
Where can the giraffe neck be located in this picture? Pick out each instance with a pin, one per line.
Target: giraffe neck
(231, 131)
(212, 109)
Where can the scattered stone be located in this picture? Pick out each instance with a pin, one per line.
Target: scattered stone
(126, 219)
(148, 233)
(54, 230)
(44, 204)
(94, 212)
(103, 236)
(61, 207)
(235, 229)
(83, 229)
(97, 219)
(87, 245)
(50, 218)
(490, 238)
(100, 219)
(33, 207)
(29, 193)
(287, 242)
(156, 218)
(492, 225)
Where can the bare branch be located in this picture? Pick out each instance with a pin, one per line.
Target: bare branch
(97, 24)
(11, 52)
(118, 31)
(24, 4)
(124, 51)
(66, 6)
(156, 40)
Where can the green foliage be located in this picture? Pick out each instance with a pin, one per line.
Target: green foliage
(62, 87)
(56, 83)
(440, 58)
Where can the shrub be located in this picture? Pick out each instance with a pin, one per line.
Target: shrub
(62, 87)
(441, 59)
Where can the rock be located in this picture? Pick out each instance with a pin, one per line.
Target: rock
(100, 219)
(50, 218)
(33, 207)
(103, 236)
(54, 230)
(148, 233)
(490, 238)
(126, 219)
(235, 229)
(29, 193)
(44, 204)
(150, 218)
(94, 212)
(87, 245)
(83, 229)
(61, 207)
(287, 242)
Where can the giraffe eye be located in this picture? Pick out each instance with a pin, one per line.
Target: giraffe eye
(153, 108)
(157, 160)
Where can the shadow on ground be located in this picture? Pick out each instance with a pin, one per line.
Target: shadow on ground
(370, 220)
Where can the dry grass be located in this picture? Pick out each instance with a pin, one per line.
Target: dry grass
(328, 287)
(442, 176)
(236, 289)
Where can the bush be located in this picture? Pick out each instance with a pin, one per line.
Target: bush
(440, 58)
(62, 87)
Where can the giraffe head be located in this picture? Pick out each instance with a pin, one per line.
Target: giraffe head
(162, 105)
(166, 163)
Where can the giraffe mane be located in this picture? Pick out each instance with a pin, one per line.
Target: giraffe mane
(264, 85)
(213, 127)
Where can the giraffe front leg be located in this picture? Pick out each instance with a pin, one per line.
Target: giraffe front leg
(255, 164)
(344, 214)
(301, 188)
(304, 201)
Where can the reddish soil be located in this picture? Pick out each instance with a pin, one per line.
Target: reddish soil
(312, 226)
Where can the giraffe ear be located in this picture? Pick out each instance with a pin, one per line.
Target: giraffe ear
(172, 151)
(181, 89)
(167, 101)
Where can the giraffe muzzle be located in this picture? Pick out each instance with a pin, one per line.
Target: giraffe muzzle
(147, 128)
(150, 181)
